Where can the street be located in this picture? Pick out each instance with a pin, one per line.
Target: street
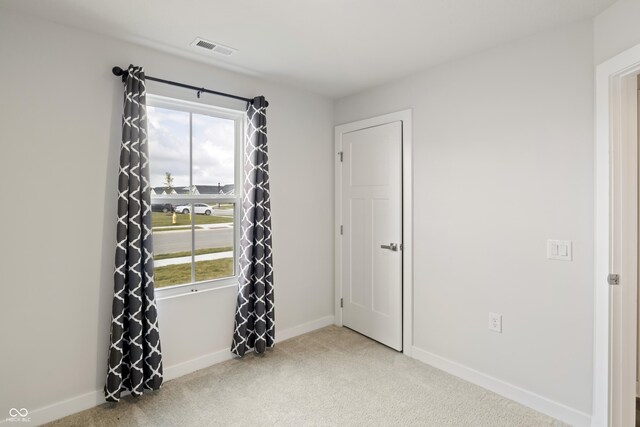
(180, 241)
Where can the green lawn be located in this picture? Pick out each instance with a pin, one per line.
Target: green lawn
(160, 219)
(188, 253)
(205, 270)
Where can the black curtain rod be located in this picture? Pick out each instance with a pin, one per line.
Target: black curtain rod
(117, 71)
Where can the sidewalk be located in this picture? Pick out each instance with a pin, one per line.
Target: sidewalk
(202, 226)
(187, 259)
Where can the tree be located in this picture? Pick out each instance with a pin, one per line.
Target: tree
(168, 183)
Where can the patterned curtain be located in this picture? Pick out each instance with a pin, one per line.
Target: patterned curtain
(135, 359)
(254, 322)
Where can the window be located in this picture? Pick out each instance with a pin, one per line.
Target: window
(194, 168)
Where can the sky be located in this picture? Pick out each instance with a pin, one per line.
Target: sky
(213, 148)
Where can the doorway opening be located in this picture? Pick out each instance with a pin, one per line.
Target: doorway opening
(616, 241)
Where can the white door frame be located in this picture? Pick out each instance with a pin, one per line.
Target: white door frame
(615, 237)
(407, 218)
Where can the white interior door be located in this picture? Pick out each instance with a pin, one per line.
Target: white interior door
(372, 234)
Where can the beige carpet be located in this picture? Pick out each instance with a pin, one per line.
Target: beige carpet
(329, 377)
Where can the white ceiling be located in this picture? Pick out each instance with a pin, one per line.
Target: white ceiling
(332, 47)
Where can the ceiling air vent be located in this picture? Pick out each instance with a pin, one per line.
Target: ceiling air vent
(206, 45)
(202, 44)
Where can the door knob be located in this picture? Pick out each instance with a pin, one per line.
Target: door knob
(390, 246)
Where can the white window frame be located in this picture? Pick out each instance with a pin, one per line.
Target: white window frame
(238, 117)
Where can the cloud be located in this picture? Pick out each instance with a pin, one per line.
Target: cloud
(213, 148)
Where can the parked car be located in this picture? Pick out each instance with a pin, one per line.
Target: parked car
(200, 208)
(162, 207)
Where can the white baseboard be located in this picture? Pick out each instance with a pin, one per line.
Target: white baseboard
(89, 400)
(539, 403)
(202, 362)
(304, 328)
(66, 407)
(184, 368)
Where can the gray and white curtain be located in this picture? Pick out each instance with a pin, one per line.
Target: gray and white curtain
(255, 321)
(135, 359)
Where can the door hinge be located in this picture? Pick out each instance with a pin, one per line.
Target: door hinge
(341, 230)
(341, 303)
(340, 154)
(613, 279)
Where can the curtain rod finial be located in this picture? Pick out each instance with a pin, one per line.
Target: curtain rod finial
(117, 71)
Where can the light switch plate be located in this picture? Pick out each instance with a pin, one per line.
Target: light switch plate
(559, 250)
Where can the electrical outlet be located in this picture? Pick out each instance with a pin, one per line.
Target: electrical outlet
(495, 322)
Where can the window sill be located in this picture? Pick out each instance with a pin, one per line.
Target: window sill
(195, 288)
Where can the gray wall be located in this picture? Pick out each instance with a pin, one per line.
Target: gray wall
(60, 123)
(616, 29)
(503, 161)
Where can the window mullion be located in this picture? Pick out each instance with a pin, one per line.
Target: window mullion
(193, 206)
